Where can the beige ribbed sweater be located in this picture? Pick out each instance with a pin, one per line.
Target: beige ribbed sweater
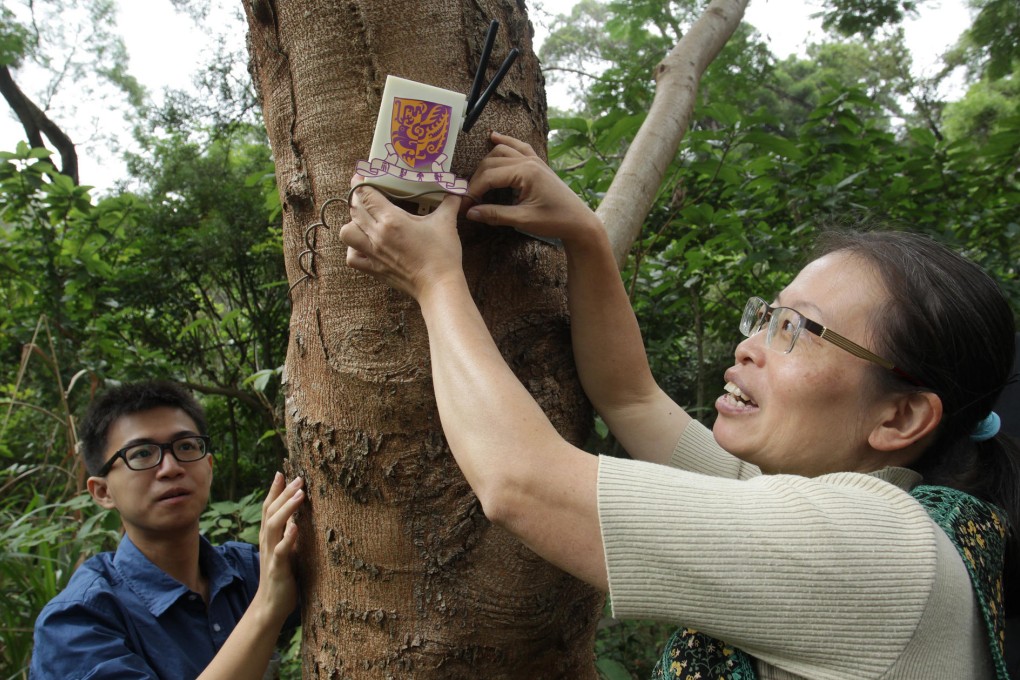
(839, 577)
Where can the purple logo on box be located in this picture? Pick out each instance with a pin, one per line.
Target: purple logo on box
(419, 130)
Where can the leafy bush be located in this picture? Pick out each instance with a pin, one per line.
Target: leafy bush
(628, 650)
(234, 520)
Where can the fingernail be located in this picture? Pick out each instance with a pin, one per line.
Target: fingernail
(473, 213)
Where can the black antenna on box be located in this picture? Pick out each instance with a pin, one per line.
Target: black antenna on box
(476, 87)
(476, 103)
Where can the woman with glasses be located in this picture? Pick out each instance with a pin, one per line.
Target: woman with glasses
(845, 518)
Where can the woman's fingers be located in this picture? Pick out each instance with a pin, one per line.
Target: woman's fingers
(448, 209)
(512, 143)
(354, 236)
(365, 199)
(399, 248)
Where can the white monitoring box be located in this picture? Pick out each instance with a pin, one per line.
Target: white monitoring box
(416, 133)
(415, 136)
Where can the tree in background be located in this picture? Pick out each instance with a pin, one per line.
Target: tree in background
(204, 286)
(72, 45)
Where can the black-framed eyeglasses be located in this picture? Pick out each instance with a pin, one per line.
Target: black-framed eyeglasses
(785, 325)
(186, 449)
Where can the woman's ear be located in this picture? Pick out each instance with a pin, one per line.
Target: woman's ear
(100, 492)
(908, 419)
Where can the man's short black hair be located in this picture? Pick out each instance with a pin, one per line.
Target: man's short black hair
(125, 400)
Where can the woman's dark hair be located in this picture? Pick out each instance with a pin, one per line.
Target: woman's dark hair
(948, 324)
(125, 400)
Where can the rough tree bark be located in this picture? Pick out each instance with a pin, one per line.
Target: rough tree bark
(402, 574)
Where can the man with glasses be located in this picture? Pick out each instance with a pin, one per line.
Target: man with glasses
(167, 603)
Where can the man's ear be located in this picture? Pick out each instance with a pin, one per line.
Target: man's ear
(100, 492)
(908, 419)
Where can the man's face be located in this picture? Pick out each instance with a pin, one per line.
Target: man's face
(161, 501)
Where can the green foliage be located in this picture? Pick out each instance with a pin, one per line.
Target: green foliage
(184, 281)
(628, 650)
(234, 520)
(851, 17)
(992, 43)
(618, 47)
(290, 666)
(985, 110)
(14, 38)
(218, 308)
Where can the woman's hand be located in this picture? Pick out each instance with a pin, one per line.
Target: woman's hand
(544, 205)
(409, 252)
(277, 547)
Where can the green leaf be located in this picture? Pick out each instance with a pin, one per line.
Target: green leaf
(610, 669)
(576, 123)
(774, 143)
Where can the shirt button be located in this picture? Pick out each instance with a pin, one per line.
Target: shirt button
(193, 597)
(216, 627)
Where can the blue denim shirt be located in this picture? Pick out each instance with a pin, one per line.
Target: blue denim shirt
(123, 617)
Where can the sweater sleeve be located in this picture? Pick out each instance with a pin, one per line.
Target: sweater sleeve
(826, 573)
(697, 451)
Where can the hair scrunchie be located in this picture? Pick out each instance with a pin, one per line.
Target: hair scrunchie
(986, 428)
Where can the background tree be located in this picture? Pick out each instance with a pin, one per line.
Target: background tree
(72, 47)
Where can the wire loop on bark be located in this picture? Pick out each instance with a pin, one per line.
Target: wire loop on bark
(309, 236)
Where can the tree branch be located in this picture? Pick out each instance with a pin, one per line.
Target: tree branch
(633, 190)
(37, 124)
(246, 398)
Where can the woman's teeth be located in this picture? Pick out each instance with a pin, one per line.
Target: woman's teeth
(738, 394)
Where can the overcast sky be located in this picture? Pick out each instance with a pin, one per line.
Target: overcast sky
(156, 36)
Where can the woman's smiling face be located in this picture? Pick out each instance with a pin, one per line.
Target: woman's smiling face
(811, 411)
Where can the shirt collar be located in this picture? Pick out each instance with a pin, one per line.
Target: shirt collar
(902, 477)
(157, 589)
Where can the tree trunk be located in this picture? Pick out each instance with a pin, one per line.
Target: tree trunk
(633, 190)
(402, 575)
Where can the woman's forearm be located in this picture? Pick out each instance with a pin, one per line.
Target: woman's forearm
(528, 479)
(610, 354)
